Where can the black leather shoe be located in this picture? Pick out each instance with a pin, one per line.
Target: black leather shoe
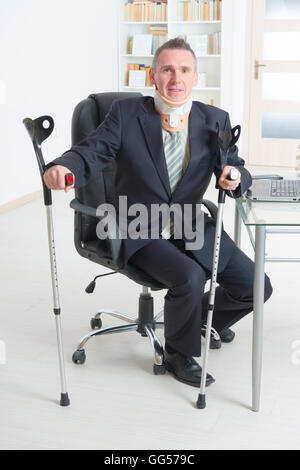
(185, 369)
(227, 335)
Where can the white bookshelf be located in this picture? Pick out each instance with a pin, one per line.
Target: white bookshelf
(143, 22)
(128, 88)
(195, 22)
(214, 65)
(135, 55)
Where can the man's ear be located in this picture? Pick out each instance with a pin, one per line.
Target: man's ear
(151, 76)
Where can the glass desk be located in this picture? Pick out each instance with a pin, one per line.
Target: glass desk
(264, 217)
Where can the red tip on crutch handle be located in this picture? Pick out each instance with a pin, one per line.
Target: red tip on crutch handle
(69, 179)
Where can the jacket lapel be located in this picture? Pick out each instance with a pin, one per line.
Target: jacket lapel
(198, 137)
(151, 125)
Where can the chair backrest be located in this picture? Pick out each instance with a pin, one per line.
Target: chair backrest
(87, 116)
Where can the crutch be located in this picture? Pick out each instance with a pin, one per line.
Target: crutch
(38, 130)
(226, 140)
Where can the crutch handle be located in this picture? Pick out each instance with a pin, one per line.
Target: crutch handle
(39, 129)
(234, 174)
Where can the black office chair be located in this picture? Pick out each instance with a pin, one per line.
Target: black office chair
(87, 116)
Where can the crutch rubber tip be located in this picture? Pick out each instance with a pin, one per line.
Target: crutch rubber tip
(64, 399)
(201, 404)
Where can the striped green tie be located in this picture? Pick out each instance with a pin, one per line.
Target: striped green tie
(174, 157)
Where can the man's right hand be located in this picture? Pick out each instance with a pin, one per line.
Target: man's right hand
(54, 178)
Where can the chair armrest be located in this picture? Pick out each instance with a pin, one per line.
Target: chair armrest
(114, 243)
(83, 209)
(211, 207)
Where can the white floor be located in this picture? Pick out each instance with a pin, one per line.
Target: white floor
(116, 401)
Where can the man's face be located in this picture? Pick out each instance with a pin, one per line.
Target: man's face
(175, 74)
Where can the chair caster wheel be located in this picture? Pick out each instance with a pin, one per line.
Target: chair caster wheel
(159, 369)
(79, 356)
(96, 323)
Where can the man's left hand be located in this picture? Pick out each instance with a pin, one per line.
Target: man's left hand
(226, 183)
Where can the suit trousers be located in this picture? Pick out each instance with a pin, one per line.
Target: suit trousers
(186, 303)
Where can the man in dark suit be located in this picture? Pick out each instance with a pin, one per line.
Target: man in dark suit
(166, 151)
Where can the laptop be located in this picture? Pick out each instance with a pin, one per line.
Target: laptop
(283, 190)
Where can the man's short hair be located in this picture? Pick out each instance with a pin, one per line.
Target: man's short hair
(176, 43)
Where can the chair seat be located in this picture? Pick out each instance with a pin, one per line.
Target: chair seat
(94, 251)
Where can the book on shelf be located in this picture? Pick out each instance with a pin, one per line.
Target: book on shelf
(199, 43)
(129, 68)
(129, 46)
(159, 28)
(159, 37)
(142, 44)
(205, 44)
(147, 70)
(198, 10)
(146, 44)
(214, 43)
(145, 11)
(138, 79)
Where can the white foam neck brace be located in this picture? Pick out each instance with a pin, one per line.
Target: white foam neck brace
(173, 110)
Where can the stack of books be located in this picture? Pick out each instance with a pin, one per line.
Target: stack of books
(147, 44)
(138, 75)
(159, 36)
(214, 43)
(145, 11)
(198, 10)
(205, 44)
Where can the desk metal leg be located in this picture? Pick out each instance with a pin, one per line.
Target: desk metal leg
(259, 288)
(237, 227)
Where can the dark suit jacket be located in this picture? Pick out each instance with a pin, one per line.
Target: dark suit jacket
(132, 135)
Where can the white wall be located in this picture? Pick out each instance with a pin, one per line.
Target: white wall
(53, 53)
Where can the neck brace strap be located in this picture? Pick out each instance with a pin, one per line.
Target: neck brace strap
(173, 115)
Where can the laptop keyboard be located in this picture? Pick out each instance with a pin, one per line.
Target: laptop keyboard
(284, 188)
